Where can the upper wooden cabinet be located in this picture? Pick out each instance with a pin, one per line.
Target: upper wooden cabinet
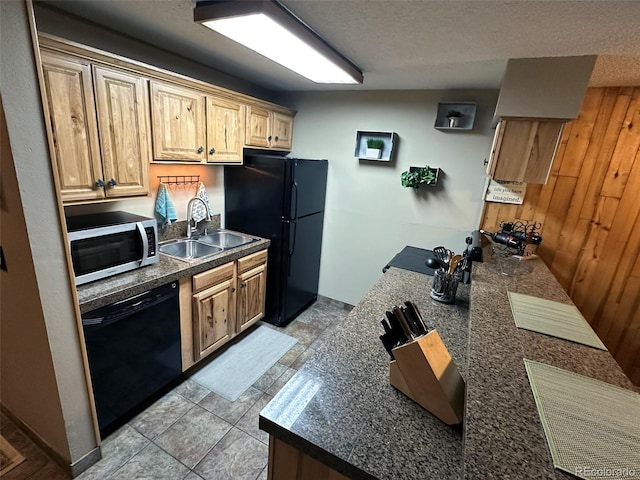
(523, 149)
(225, 130)
(178, 117)
(268, 129)
(72, 119)
(191, 126)
(122, 104)
(100, 138)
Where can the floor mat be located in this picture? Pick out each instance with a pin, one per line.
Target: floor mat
(243, 363)
(591, 427)
(9, 456)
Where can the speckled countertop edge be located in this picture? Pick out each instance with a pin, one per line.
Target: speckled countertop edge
(356, 422)
(503, 434)
(119, 287)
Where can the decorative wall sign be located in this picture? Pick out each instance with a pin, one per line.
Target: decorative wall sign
(502, 191)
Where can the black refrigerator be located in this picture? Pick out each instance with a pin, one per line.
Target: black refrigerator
(282, 199)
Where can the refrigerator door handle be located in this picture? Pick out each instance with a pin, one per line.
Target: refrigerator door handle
(292, 242)
(294, 205)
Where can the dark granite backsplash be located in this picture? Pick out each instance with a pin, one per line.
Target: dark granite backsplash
(179, 229)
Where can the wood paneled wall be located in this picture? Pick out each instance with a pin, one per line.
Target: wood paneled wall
(590, 210)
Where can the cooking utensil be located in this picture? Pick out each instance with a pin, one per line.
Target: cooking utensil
(441, 253)
(435, 263)
(455, 260)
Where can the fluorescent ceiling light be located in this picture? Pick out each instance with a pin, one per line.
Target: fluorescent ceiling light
(272, 31)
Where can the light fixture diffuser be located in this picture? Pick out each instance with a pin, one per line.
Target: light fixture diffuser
(274, 32)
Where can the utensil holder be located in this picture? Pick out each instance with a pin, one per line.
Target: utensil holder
(425, 372)
(445, 286)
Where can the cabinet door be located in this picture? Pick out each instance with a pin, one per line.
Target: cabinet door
(72, 119)
(251, 300)
(124, 132)
(258, 132)
(524, 150)
(282, 131)
(179, 123)
(213, 310)
(225, 130)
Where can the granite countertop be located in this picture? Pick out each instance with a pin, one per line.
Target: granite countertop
(503, 434)
(341, 409)
(118, 287)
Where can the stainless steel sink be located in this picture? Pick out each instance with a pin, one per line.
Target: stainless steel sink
(225, 239)
(189, 250)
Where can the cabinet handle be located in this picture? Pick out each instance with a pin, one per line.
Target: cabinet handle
(212, 151)
(243, 285)
(201, 149)
(112, 182)
(486, 162)
(99, 183)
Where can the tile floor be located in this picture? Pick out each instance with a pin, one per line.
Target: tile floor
(192, 433)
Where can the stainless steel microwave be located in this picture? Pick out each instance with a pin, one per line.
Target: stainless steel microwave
(104, 244)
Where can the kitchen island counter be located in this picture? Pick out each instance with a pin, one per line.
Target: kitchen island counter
(341, 411)
(340, 408)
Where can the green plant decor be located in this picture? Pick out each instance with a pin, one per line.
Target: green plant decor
(419, 176)
(376, 143)
(454, 114)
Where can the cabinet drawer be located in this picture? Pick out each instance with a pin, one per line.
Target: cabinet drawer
(252, 261)
(212, 277)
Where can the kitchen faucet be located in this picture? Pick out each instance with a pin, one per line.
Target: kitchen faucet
(190, 215)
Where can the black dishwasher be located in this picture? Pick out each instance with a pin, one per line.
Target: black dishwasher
(133, 348)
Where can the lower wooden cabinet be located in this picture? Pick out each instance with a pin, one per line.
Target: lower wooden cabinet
(252, 284)
(213, 309)
(217, 304)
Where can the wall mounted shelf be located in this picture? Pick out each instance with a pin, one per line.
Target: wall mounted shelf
(465, 122)
(390, 140)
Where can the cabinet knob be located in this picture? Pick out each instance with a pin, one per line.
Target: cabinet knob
(243, 285)
(277, 138)
(201, 149)
(212, 151)
(99, 183)
(269, 138)
(112, 182)
(233, 289)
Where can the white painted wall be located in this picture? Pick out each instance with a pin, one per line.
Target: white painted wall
(369, 216)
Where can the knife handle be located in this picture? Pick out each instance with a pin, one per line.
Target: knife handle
(397, 329)
(403, 322)
(388, 344)
(413, 308)
(413, 320)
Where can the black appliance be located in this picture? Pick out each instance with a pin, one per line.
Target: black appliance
(133, 347)
(281, 199)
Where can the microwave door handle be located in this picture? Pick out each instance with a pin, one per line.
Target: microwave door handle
(145, 242)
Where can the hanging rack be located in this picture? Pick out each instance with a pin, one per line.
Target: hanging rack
(178, 179)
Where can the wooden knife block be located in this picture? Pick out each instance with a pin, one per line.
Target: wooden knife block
(424, 371)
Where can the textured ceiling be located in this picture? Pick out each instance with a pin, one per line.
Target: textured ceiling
(402, 44)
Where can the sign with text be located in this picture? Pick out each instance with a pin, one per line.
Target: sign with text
(502, 191)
